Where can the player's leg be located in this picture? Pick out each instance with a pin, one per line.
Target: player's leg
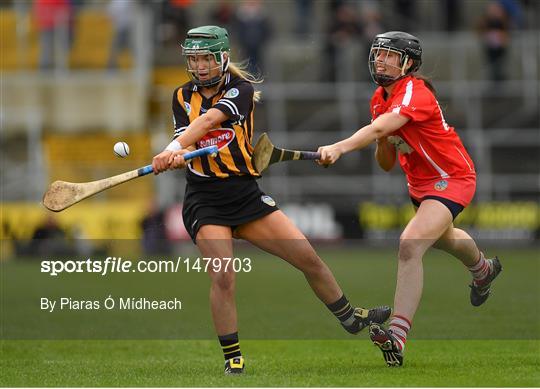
(276, 234)
(483, 271)
(216, 242)
(432, 219)
(459, 243)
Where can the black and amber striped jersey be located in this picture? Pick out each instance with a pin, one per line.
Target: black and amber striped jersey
(233, 137)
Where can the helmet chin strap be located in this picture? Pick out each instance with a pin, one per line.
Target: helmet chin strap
(224, 63)
(405, 60)
(212, 82)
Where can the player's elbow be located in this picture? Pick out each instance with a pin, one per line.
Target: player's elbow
(387, 123)
(213, 118)
(207, 122)
(378, 131)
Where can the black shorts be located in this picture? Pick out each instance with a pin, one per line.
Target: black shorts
(229, 201)
(452, 206)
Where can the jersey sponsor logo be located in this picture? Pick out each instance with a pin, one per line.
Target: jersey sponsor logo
(232, 93)
(400, 144)
(268, 200)
(188, 107)
(220, 137)
(441, 185)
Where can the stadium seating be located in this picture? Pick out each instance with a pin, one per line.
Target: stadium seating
(19, 41)
(93, 37)
(87, 157)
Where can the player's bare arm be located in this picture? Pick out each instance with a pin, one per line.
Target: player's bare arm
(170, 159)
(383, 126)
(195, 131)
(385, 154)
(200, 127)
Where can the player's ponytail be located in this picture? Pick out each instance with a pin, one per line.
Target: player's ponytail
(239, 70)
(427, 82)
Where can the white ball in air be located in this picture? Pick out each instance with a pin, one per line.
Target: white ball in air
(121, 149)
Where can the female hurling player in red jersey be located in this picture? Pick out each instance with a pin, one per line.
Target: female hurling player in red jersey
(407, 120)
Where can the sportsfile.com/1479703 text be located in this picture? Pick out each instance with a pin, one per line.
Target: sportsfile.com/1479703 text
(118, 265)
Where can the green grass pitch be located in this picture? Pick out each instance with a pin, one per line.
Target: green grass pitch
(289, 339)
(269, 363)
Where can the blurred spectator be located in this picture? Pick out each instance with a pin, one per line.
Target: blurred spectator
(344, 29)
(81, 244)
(121, 14)
(253, 30)
(372, 24)
(304, 16)
(450, 10)
(406, 15)
(223, 14)
(494, 30)
(175, 21)
(49, 239)
(154, 239)
(514, 10)
(52, 17)
(372, 21)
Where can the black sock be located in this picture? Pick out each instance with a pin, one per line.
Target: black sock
(343, 310)
(230, 345)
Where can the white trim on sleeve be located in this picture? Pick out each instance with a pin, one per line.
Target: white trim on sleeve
(407, 98)
(229, 104)
(178, 131)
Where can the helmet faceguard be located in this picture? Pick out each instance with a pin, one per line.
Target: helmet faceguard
(407, 46)
(207, 40)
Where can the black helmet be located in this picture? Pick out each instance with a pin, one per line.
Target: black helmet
(406, 45)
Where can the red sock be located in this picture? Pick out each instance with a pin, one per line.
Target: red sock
(400, 327)
(480, 270)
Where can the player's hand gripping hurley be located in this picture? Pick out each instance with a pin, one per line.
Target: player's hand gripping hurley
(61, 194)
(265, 154)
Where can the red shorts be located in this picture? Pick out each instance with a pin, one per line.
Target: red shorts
(459, 190)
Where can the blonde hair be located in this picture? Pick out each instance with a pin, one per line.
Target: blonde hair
(239, 70)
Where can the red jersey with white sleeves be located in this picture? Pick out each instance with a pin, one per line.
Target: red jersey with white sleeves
(429, 149)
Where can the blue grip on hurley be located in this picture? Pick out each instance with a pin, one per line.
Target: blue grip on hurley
(201, 152)
(143, 171)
